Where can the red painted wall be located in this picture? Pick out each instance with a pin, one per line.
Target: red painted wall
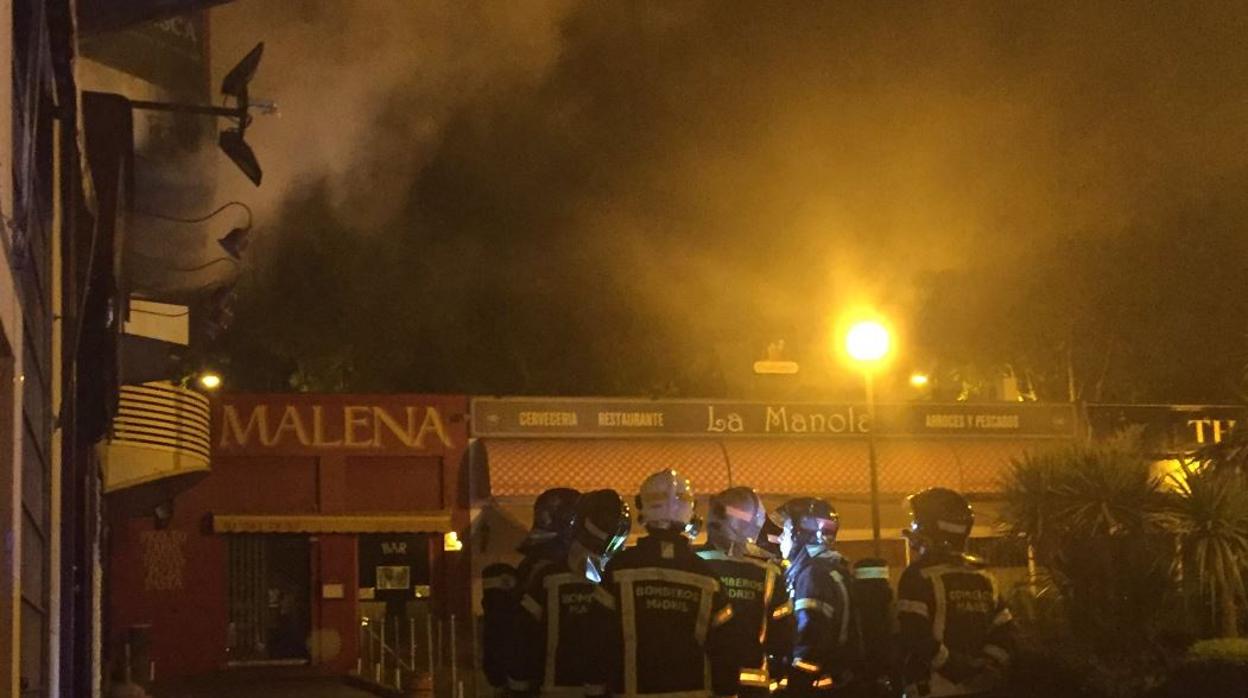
(336, 642)
(176, 580)
(173, 581)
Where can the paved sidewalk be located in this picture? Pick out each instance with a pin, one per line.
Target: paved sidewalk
(311, 687)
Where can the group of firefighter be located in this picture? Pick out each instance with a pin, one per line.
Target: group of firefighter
(766, 606)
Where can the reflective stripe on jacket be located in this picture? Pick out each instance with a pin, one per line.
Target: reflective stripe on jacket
(666, 612)
(957, 635)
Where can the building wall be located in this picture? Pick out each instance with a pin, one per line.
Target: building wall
(175, 580)
(10, 474)
(30, 375)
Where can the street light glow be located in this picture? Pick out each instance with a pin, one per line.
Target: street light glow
(918, 380)
(210, 380)
(867, 341)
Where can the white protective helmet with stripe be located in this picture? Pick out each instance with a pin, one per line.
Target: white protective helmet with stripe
(665, 501)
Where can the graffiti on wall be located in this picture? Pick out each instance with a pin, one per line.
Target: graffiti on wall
(164, 560)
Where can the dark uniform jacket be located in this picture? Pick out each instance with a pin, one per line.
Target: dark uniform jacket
(553, 626)
(498, 585)
(537, 558)
(825, 638)
(760, 611)
(664, 612)
(956, 632)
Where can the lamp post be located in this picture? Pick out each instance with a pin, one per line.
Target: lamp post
(868, 344)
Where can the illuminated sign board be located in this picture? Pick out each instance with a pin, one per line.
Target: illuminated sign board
(1167, 429)
(333, 423)
(623, 418)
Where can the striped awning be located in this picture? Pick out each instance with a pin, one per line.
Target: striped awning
(417, 522)
(525, 467)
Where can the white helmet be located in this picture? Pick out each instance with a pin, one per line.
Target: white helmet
(665, 501)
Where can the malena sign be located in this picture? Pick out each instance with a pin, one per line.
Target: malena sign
(320, 423)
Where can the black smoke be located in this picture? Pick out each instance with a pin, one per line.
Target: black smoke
(637, 197)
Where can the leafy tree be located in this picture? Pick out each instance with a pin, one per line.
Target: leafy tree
(1152, 313)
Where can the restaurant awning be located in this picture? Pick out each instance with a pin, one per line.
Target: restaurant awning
(525, 467)
(416, 522)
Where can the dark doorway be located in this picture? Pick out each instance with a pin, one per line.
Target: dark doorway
(398, 629)
(270, 599)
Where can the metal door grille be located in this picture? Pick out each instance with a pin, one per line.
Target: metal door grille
(249, 603)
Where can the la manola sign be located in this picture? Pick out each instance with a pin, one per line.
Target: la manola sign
(572, 417)
(334, 424)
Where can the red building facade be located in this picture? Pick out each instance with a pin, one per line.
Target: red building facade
(323, 520)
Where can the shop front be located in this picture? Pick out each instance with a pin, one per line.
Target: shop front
(324, 536)
(524, 445)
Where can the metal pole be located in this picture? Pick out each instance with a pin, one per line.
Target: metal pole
(429, 641)
(377, 661)
(411, 643)
(437, 655)
(875, 469)
(454, 660)
(233, 112)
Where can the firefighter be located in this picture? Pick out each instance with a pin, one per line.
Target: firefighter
(545, 547)
(498, 585)
(876, 616)
(956, 632)
(825, 642)
(554, 623)
(662, 606)
(603, 521)
(753, 583)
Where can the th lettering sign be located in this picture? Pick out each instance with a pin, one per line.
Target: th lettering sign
(1210, 430)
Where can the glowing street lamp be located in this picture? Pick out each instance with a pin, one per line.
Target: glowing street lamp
(868, 343)
(919, 380)
(210, 380)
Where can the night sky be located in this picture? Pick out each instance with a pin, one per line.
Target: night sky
(687, 181)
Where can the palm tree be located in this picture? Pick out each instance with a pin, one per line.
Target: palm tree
(1097, 518)
(1210, 516)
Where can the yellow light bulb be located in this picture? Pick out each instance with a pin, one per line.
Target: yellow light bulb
(867, 341)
